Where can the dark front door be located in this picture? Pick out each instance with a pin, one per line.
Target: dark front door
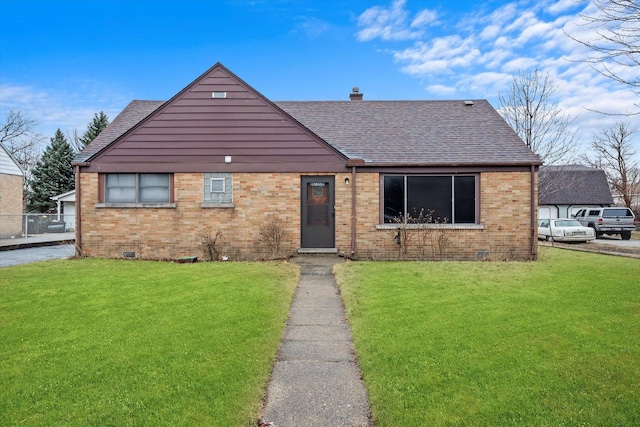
(318, 213)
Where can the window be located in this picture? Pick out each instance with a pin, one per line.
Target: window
(137, 188)
(444, 199)
(218, 189)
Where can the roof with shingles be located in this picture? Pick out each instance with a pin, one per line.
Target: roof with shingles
(393, 133)
(414, 132)
(573, 185)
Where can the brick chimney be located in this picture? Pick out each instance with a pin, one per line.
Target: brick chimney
(355, 95)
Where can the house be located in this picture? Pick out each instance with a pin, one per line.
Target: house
(329, 176)
(564, 189)
(66, 209)
(11, 195)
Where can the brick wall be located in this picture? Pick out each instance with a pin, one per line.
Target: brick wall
(162, 233)
(505, 199)
(10, 205)
(169, 233)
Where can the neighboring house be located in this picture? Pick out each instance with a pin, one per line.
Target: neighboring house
(332, 176)
(66, 208)
(565, 189)
(11, 192)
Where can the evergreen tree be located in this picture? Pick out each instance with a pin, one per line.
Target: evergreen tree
(97, 125)
(52, 175)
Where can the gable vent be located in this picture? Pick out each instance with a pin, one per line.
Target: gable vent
(218, 94)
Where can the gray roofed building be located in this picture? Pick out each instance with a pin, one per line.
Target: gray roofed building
(565, 188)
(336, 175)
(574, 185)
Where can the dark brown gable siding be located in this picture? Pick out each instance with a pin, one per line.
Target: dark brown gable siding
(193, 132)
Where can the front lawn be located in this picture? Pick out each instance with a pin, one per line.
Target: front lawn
(553, 342)
(104, 342)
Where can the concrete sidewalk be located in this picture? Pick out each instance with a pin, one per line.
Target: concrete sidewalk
(316, 380)
(36, 240)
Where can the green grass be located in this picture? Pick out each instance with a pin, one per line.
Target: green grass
(103, 342)
(553, 342)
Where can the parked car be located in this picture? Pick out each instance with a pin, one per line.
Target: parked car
(564, 230)
(611, 220)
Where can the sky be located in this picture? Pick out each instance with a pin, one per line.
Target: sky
(61, 61)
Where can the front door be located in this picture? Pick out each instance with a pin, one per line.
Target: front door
(318, 212)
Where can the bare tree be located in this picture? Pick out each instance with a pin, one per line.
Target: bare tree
(528, 107)
(616, 41)
(613, 152)
(73, 137)
(18, 135)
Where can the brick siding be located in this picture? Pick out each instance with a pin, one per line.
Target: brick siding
(10, 205)
(258, 198)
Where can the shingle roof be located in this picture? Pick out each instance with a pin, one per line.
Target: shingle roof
(573, 185)
(414, 132)
(383, 132)
(133, 114)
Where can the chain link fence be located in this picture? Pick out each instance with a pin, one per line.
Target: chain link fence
(30, 225)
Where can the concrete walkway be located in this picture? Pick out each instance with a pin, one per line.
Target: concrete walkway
(36, 240)
(316, 380)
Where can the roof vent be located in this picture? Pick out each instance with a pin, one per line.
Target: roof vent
(356, 95)
(468, 103)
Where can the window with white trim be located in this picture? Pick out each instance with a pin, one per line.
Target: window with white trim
(218, 188)
(137, 188)
(447, 199)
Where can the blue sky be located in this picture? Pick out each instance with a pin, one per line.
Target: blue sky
(62, 61)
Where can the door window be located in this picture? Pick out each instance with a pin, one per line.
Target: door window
(317, 204)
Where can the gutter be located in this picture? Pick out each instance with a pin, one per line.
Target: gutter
(353, 210)
(77, 166)
(532, 236)
(362, 163)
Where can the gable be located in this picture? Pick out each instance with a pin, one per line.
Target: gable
(8, 165)
(196, 131)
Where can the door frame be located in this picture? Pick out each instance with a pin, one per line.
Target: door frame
(317, 236)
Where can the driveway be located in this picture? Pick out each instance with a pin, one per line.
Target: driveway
(43, 253)
(616, 241)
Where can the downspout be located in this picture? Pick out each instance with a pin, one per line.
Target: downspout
(78, 213)
(353, 210)
(532, 237)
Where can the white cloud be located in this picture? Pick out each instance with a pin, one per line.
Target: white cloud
(490, 32)
(523, 63)
(442, 90)
(445, 53)
(563, 6)
(68, 108)
(311, 27)
(477, 54)
(393, 23)
(424, 17)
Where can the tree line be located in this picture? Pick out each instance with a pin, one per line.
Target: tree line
(48, 173)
